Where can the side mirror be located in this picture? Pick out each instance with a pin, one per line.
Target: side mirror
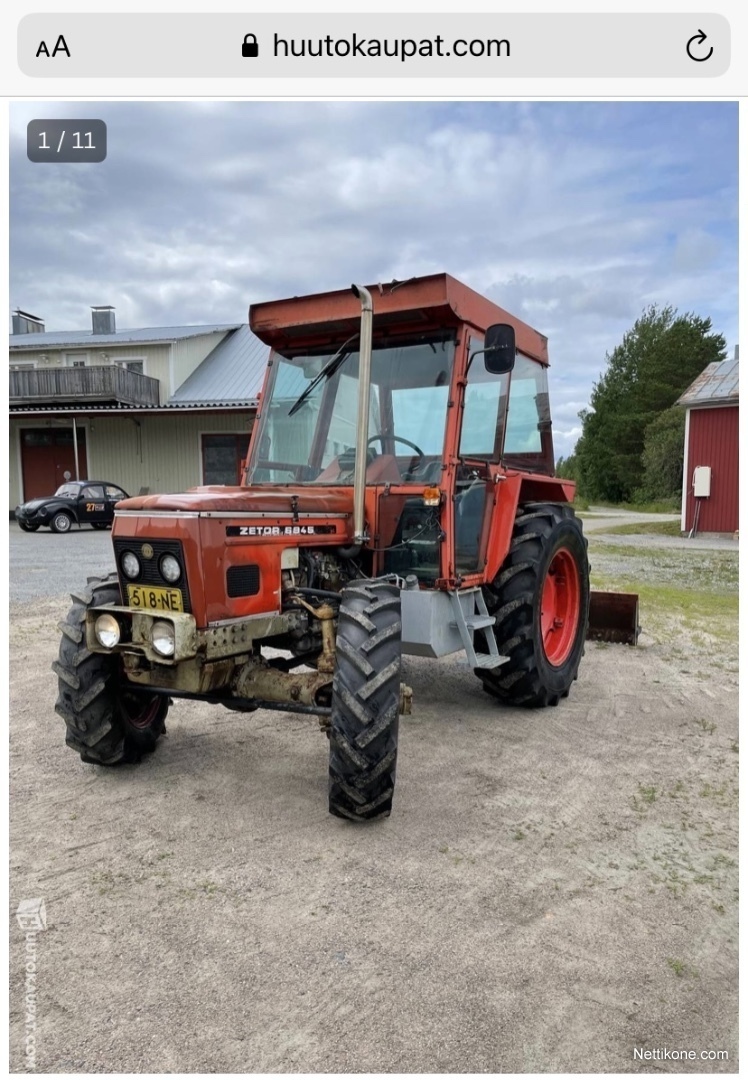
(500, 349)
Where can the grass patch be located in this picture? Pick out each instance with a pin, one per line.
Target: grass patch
(715, 613)
(688, 600)
(664, 506)
(655, 528)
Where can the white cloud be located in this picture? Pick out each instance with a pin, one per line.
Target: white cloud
(572, 216)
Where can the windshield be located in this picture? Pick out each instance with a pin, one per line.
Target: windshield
(70, 490)
(315, 442)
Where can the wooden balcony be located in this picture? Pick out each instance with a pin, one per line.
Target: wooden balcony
(104, 385)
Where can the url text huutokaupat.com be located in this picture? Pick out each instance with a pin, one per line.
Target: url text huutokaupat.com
(402, 48)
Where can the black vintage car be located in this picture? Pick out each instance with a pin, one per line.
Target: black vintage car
(87, 502)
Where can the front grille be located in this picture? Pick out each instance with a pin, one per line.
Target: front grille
(150, 573)
(243, 580)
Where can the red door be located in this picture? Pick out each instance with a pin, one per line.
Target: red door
(46, 455)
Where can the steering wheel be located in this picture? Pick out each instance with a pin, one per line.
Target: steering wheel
(397, 438)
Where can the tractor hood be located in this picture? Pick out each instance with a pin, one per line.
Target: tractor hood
(280, 501)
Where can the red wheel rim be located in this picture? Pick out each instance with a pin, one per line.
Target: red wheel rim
(559, 607)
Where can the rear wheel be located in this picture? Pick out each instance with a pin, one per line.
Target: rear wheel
(107, 722)
(61, 522)
(365, 702)
(99, 525)
(540, 600)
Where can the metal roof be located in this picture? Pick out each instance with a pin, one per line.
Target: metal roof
(91, 408)
(146, 336)
(232, 373)
(717, 384)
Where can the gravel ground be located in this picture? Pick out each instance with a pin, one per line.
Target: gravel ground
(597, 522)
(552, 891)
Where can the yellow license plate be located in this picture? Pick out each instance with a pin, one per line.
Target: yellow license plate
(151, 598)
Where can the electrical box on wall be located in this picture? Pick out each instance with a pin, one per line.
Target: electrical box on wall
(702, 481)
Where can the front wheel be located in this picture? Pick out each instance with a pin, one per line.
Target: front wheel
(540, 600)
(108, 722)
(365, 702)
(61, 522)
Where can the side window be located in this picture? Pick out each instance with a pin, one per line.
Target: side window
(115, 493)
(92, 491)
(528, 408)
(529, 438)
(482, 416)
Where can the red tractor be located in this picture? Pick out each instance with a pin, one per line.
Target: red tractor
(399, 497)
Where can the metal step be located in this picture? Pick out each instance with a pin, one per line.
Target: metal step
(471, 614)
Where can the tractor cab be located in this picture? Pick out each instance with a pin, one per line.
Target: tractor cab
(449, 413)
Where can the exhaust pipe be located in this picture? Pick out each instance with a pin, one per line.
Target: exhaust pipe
(362, 426)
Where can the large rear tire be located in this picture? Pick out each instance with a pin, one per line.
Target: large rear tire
(540, 600)
(366, 702)
(107, 722)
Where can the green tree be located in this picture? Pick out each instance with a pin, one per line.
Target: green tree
(662, 457)
(568, 468)
(657, 359)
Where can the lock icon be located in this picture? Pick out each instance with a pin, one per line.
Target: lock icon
(250, 48)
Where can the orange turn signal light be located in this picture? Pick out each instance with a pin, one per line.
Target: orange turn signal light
(432, 496)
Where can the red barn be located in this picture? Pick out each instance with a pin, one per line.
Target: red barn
(710, 463)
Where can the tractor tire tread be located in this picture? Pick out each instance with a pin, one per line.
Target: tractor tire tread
(366, 702)
(513, 597)
(88, 697)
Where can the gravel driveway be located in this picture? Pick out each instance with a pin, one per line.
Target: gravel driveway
(553, 890)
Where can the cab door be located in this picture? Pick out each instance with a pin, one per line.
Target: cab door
(484, 405)
(92, 505)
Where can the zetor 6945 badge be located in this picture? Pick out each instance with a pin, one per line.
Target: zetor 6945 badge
(399, 497)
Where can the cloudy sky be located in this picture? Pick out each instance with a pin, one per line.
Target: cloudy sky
(574, 216)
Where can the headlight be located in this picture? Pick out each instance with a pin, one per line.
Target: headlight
(162, 638)
(171, 571)
(107, 631)
(130, 565)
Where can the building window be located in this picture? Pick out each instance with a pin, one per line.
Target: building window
(222, 458)
(76, 359)
(131, 365)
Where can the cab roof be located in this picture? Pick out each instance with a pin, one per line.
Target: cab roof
(438, 300)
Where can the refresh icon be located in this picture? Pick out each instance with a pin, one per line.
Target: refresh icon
(694, 43)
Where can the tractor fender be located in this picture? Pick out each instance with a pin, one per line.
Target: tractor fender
(513, 489)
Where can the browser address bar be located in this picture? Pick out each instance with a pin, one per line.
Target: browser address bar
(266, 46)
